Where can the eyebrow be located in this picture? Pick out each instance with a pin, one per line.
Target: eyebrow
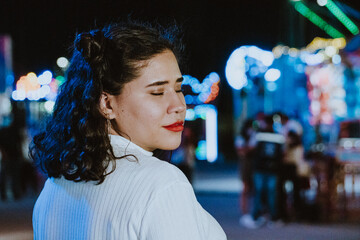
(160, 83)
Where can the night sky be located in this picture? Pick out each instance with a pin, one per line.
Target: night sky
(43, 30)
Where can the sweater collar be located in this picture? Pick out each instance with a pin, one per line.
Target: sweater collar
(126, 145)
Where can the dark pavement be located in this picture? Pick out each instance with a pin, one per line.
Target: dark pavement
(217, 190)
(224, 208)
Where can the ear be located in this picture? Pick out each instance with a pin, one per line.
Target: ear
(106, 105)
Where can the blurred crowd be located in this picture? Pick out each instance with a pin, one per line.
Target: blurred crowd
(273, 170)
(18, 176)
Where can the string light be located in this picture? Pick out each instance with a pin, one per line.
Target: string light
(317, 20)
(341, 16)
(207, 91)
(34, 88)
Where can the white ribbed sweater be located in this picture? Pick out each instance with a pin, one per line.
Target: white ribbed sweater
(145, 199)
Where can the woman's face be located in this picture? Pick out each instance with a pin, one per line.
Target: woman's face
(150, 110)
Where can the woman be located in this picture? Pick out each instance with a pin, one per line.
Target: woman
(122, 100)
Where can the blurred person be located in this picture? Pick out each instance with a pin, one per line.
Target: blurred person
(11, 162)
(296, 169)
(245, 144)
(287, 172)
(12, 156)
(122, 101)
(267, 159)
(29, 177)
(260, 121)
(290, 125)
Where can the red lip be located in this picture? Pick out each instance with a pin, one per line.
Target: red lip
(175, 127)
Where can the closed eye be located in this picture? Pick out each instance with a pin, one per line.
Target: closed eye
(157, 94)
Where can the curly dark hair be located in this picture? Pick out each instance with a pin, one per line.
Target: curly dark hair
(75, 143)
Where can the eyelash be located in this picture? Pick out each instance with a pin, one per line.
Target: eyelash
(159, 94)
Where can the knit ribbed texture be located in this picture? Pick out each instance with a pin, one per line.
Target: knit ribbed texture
(144, 199)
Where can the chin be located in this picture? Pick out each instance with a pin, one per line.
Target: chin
(171, 145)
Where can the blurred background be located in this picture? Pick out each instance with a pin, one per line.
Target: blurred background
(293, 65)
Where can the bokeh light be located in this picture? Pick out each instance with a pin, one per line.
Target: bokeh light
(62, 62)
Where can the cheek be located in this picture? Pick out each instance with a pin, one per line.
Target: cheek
(143, 116)
(153, 117)
(151, 111)
(143, 113)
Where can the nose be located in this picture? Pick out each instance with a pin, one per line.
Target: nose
(176, 103)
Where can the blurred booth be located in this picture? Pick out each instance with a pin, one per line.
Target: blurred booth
(348, 158)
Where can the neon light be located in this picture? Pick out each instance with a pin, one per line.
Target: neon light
(200, 151)
(271, 86)
(45, 78)
(211, 135)
(207, 149)
(314, 59)
(265, 57)
(336, 59)
(35, 87)
(236, 65)
(49, 106)
(272, 75)
(60, 80)
(322, 2)
(330, 51)
(214, 92)
(9, 79)
(199, 111)
(270, 137)
(28, 83)
(341, 16)
(190, 115)
(18, 95)
(62, 62)
(318, 21)
(189, 99)
(208, 90)
(5, 105)
(235, 69)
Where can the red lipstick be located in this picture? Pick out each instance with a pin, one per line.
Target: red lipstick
(175, 127)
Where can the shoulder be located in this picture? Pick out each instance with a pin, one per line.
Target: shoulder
(145, 172)
(173, 211)
(161, 171)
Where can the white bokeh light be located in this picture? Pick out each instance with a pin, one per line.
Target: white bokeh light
(272, 75)
(62, 62)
